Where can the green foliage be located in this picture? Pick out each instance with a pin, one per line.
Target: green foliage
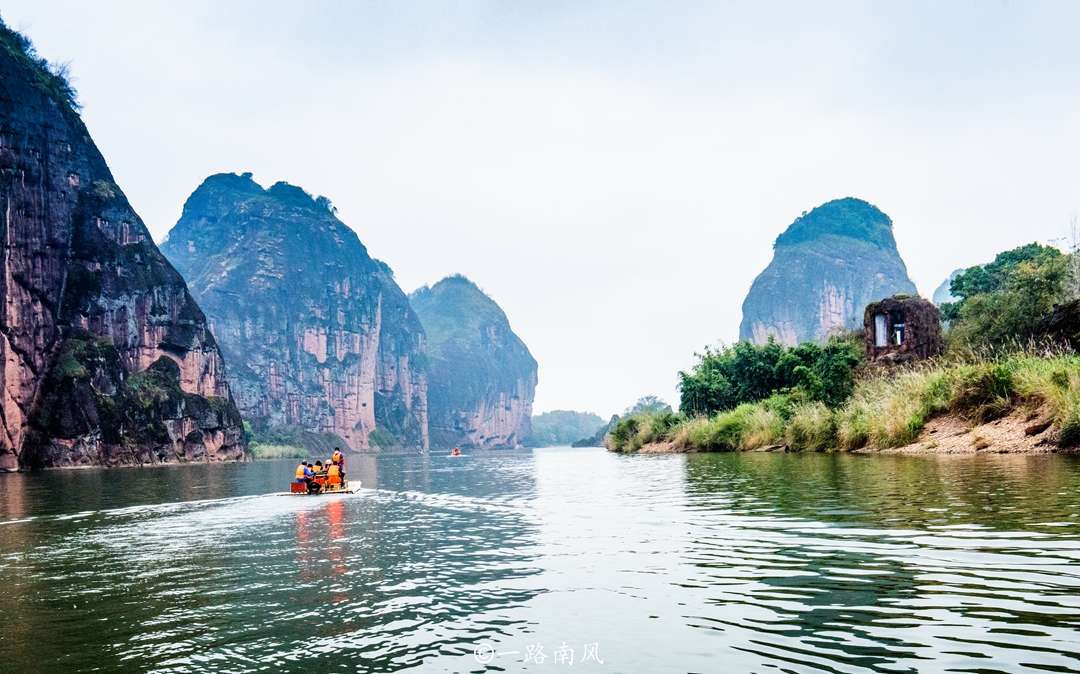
(1003, 302)
(649, 404)
(745, 373)
(264, 452)
(152, 387)
(104, 189)
(380, 438)
(887, 410)
(631, 433)
(848, 217)
(562, 427)
(52, 78)
(318, 444)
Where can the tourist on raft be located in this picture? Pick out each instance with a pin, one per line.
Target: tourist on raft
(338, 460)
(333, 474)
(305, 474)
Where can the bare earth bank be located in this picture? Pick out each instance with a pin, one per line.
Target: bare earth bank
(949, 434)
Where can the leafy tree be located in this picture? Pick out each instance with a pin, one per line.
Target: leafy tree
(744, 373)
(1004, 301)
(648, 405)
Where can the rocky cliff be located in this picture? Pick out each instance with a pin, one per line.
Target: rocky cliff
(826, 267)
(482, 378)
(106, 357)
(317, 334)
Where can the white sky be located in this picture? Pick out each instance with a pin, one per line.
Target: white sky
(612, 173)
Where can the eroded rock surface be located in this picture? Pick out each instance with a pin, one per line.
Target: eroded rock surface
(826, 267)
(106, 357)
(482, 378)
(317, 334)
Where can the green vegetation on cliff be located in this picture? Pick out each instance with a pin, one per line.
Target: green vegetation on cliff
(87, 392)
(52, 79)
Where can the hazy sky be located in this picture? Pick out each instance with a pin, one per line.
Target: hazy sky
(612, 173)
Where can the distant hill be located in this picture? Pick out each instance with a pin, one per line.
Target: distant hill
(481, 376)
(942, 294)
(319, 340)
(597, 438)
(563, 427)
(826, 267)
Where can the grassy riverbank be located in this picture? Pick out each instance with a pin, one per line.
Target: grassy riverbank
(884, 410)
(263, 452)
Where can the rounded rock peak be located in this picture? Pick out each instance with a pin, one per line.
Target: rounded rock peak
(848, 217)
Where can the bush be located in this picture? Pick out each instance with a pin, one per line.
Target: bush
(744, 373)
(1003, 303)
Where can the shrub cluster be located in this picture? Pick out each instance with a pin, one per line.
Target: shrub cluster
(731, 376)
(1004, 302)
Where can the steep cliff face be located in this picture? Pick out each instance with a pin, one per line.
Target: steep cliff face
(106, 357)
(827, 266)
(317, 334)
(482, 378)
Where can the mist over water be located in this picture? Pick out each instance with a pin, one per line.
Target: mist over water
(685, 563)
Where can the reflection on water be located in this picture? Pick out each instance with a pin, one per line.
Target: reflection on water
(890, 562)
(734, 562)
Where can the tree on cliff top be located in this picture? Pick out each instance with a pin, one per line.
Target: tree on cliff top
(848, 217)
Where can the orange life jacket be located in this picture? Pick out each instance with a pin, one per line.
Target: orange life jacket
(338, 459)
(333, 470)
(300, 472)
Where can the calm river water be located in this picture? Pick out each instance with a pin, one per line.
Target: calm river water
(703, 563)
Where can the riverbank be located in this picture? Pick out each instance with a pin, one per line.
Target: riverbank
(1026, 403)
(950, 434)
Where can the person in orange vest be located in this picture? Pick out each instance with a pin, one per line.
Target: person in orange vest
(339, 460)
(302, 472)
(333, 474)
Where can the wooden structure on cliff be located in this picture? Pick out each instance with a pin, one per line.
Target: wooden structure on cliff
(902, 328)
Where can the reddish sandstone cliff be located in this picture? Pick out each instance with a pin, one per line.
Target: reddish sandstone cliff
(482, 378)
(106, 357)
(318, 335)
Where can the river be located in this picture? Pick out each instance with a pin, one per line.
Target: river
(578, 559)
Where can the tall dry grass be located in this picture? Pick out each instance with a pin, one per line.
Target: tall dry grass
(888, 409)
